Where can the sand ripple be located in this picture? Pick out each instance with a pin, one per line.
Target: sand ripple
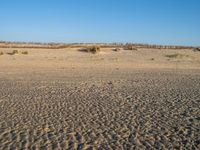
(142, 111)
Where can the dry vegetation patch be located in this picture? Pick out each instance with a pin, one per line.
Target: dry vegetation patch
(130, 47)
(178, 56)
(17, 52)
(116, 49)
(197, 49)
(25, 52)
(1, 53)
(93, 49)
(152, 59)
(13, 52)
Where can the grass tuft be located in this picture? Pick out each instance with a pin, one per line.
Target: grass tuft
(13, 52)
(94, 49)
(197, 49)
(25, 52)
(152, 59)
(178, 56)
(116, 49)
(130, 47)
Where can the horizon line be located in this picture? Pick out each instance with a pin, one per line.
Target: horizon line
(109, 43)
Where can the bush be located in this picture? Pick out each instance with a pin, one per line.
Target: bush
(94, 49)
(130, 47)
(152, 59)
(197, 49)
(178, 56)
(13, 52)
(117, 49)
(1, 53)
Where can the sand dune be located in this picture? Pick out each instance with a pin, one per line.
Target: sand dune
(67, 99)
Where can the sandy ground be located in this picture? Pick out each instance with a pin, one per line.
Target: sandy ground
(69, 99)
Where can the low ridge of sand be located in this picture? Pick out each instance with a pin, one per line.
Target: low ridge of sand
(69, 99)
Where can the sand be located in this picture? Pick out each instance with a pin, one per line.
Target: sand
(68, 99)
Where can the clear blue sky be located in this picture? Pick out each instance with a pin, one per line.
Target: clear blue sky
(139, 21)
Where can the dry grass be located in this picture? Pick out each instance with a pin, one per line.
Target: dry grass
(25, 52)
(152, 59)
(197, 50)
(130, 47)
(178, 56)
(1, 53)
(17, 52)
(13, 52)
(93, 49)
(116, 49)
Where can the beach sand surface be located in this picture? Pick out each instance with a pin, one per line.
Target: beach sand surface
(71, 99)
